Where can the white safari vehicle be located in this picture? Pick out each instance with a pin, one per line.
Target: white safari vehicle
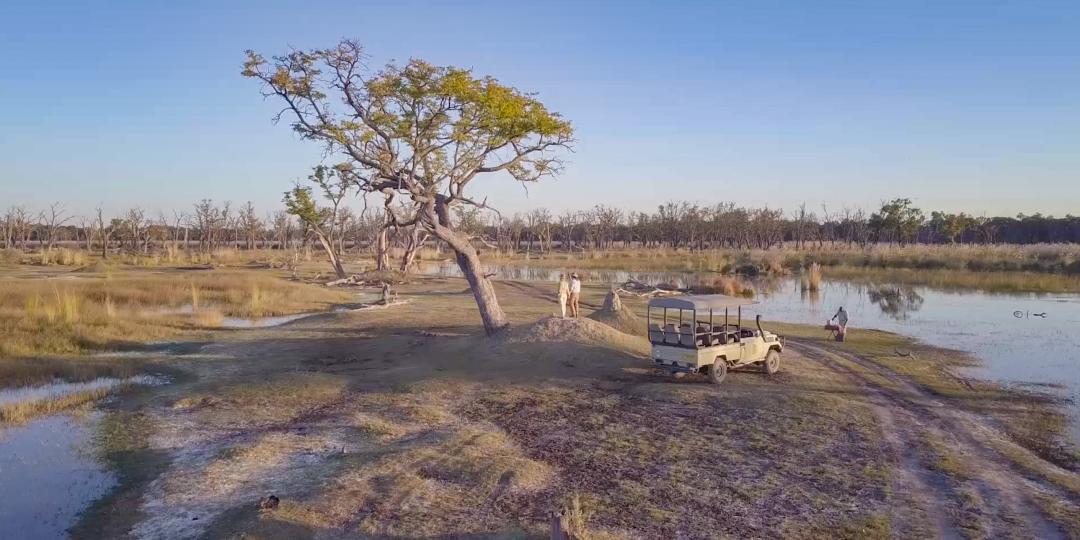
(695, 334)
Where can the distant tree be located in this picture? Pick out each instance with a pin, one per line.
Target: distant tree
(135, 229)
(251, 225)
(951, 226)
(419, 130)
(899, 220)
(104, 231)
(322, 221)
(54, 219)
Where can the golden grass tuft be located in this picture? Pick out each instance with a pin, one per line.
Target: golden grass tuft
(810, 279)
(23, 411)
(39, 317)
(719, 284)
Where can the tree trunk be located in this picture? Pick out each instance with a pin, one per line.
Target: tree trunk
(412, 245)
(328, 247)
(382, 248)
(468, 260)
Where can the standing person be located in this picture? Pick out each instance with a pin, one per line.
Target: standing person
(841, 321)
(564, 293)
(575, 293)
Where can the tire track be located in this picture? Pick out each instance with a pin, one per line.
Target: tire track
(923, 413)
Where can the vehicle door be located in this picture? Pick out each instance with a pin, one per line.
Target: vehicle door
(753, 347)
(733, 349)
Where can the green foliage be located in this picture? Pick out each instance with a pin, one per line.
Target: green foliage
(416, 128)
(898, 220)
(951, 226)
(299, 203)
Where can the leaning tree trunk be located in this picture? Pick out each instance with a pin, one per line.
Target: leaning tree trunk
(328, 247)
(469, 261)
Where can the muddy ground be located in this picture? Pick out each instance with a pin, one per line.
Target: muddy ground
(404, 422)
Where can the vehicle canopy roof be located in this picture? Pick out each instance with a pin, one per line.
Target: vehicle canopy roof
(700, 302)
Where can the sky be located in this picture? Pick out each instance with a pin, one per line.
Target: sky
(960, 106)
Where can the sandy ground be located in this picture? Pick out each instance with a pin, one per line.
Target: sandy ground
(405, 423)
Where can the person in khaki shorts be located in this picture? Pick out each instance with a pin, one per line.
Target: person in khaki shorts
(575, 293)
(564, 293)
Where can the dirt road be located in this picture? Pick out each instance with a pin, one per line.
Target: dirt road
(404, 423)
(989, 497)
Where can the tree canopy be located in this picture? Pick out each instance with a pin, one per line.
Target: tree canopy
(417, 128)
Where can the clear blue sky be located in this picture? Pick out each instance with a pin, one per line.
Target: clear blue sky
(970, 106)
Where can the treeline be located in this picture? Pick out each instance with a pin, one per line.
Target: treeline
(726, 225)
(208, 225)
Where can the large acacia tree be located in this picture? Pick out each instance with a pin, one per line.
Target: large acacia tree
(417, 131)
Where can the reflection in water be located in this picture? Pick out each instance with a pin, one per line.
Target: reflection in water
(898, 302)
(48, 475)
(813, 297)
(59, 389)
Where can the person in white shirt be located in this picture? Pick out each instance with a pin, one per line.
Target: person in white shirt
(575, 293)
(564, 293)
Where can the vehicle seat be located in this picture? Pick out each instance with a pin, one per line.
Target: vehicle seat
(656, 334)
(686, 336)
(704, 336)
(671, 335)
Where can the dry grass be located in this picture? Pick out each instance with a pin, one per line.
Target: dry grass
(810, 279)
(993, 282)
(15, 372)
(11, 256)
(62, 257)
(1052, 266)
(40, 316)
(17, 413)
(720, 284)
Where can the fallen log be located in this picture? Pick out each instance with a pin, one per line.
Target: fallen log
(634, 287)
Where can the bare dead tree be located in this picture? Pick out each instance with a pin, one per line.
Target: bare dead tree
(104, 231)
(53, 218)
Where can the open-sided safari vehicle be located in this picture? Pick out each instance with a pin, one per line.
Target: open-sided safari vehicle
(695, 334)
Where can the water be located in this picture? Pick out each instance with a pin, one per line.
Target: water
(48, 475)
(262, 322)
(1015, 347)
(266, 322)
(59, 388)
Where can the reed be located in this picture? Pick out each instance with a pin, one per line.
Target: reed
(255, 304)
(810, 279)
(720, 284)
(194, 298)
(23, 411)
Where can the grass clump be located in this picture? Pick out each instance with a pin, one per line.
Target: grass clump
(810, 279)
(719, 284)
(22, 411)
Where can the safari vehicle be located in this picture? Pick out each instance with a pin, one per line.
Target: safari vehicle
(695, 334)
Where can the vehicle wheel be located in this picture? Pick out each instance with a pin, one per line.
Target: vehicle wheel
(718, 371)
(772, 362)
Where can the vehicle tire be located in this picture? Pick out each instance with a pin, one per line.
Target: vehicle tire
(772, 362)
(718, 371)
